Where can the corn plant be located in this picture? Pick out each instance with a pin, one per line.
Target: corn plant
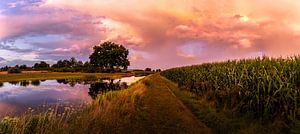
(266, 88)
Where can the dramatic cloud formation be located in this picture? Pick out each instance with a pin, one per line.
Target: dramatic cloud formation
(158, 34)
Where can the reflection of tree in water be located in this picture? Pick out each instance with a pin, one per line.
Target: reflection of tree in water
(14, 82)
(79, 82)
(72, 83)
(96, 88)
(64, 81)
(59, 81)
(24, 83)
(35, 82)
(103, 87)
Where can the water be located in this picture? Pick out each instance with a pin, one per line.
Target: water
(18, 97)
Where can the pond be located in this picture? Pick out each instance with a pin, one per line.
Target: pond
(37, 96)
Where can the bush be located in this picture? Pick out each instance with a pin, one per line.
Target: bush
(91, 70)
(13, 71)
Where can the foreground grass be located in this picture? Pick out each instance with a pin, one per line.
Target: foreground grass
(225, 122)
(161, 111)
(148, 106)
(264, 90)
(220, 122)
(55, 75)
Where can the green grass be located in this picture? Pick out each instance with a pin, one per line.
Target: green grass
(161, 111)
(262, 92)
(148, 106)
(55, 75)
(142, 73)
(220, 122)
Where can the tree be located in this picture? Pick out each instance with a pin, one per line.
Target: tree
(71, 65)
(88, 68)
(23, 67)
(148, 69)
(14, 70)
(109, 56)
(5, 68)
(41, 65)
(73, 62)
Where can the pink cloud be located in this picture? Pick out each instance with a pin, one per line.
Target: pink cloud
(157, 32)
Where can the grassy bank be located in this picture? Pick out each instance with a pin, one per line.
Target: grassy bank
(54, 75)
(148, 106)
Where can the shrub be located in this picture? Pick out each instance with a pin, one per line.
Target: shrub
(13, 71)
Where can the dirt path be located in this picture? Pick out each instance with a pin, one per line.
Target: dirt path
(160, 111)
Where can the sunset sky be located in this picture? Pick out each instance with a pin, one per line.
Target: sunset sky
(158, 33)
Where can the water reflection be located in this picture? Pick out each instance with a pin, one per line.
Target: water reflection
(103, 87)
(70, 83)
(60, 81)
(24, 83)
(16, 97)
(35, 82)
(14, 82)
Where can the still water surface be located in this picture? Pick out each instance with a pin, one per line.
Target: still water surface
(19, 97)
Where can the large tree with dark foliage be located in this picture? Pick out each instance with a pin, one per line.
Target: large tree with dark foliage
(110, 56)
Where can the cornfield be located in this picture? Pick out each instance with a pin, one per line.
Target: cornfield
(265, 88)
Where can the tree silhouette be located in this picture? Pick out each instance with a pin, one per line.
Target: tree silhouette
(41, 65)
(109, 56)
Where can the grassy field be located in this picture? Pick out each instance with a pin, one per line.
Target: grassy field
(231, 96)
(148, 106)
(54, 75)
(223, 122)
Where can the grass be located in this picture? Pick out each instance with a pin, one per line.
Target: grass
(148, 106)
(142, 73)
(248, 96)
(265, 90)
(55, 75)
(162, 112)
(220, 122)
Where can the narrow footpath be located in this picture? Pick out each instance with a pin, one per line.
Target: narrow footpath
(160, 111)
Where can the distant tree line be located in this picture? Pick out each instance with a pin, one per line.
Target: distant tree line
(150, 70)
(66, 65)
(106, 57)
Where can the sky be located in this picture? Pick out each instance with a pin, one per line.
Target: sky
(158, 33)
